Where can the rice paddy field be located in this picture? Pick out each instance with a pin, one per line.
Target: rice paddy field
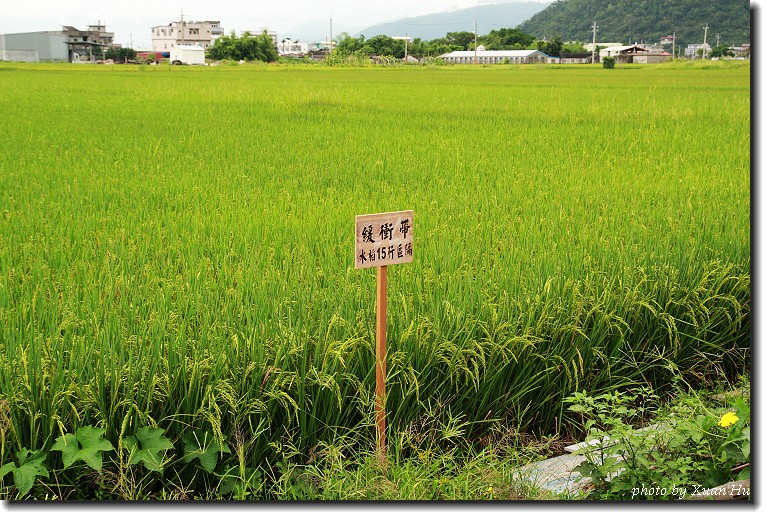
(177, 251)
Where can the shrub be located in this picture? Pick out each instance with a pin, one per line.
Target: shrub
(691, 448)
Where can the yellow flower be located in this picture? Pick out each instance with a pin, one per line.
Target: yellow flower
(728, 419)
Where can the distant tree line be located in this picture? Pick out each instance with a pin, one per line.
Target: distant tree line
(120, 55)
(497, 39)
(247, 47)
(261, 47)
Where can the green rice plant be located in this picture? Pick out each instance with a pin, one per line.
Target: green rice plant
(192, 269)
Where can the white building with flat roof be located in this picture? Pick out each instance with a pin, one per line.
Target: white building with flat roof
(202, 33)
(287, 47)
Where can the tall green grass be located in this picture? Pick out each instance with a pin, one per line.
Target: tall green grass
(176, 244)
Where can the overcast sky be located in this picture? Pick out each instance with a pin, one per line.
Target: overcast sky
(131, 20)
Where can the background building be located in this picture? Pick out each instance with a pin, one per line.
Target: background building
(32, 47)
(287, 47)
(498, 57)
(202, 33)
(68, 44)
(691, 51)
(590, 46)
(87, 45)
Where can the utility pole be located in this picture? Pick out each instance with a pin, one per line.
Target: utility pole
(718, 40)
(674, 46)
(593, 53)
(704, 41)
(406, 37)
(183, 41)
(475, 40)
(331, 33)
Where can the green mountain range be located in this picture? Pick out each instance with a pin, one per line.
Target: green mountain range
(631, 21)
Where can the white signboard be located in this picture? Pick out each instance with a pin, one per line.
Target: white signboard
(384, 239)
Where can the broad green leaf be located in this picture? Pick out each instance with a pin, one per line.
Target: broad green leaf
(742, 408)
(643, 461)
(87, 446)
(744, 474)
(30, 467)
(203, 446)
(7, 468)
(695, 433)
(24, 478)
(147, 447)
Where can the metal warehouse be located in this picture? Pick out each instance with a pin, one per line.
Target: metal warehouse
(497, 57)
(33, 47)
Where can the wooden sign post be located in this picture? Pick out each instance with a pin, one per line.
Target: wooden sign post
(382, 239)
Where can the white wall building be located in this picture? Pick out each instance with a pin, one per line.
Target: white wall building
(202, 33)
(288, 47)
(691, 51)
(498, 57)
